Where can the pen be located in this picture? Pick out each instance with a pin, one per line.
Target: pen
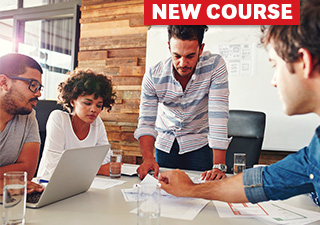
(43, 181)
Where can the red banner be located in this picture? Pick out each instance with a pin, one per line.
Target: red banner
(213, 12)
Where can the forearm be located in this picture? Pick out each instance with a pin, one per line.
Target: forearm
(147, 146)
(228, 190)
(30, 169)
(219, 156)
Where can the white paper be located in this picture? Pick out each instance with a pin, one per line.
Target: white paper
(171, 206)
(104, 183)
(281, 213)
(270, 212)
(129, 169)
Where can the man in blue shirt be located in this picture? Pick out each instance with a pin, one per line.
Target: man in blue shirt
(184, 108)
(295, 55)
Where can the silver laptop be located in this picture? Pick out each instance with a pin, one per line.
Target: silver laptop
(73, 175)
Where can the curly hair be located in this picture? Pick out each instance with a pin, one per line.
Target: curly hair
(287, 40)
(187, 32)
(86, 83)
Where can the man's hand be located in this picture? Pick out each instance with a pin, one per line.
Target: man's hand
(214, 174)
(32, 187)
(176, 182)
(146, 166)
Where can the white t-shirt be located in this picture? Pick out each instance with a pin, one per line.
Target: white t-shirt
(60, 136)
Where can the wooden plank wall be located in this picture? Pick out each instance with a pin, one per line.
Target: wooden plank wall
(113, 41)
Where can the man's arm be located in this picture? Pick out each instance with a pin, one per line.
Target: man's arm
(27, 160)
(149, 163)
(178, 183)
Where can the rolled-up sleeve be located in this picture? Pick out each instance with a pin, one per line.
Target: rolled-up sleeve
(253, 185)
(148, 108)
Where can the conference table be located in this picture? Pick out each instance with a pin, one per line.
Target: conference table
(108, 206)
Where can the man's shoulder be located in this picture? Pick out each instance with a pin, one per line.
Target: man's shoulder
(161, 67)
(209, 57)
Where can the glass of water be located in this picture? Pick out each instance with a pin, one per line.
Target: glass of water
(115, 163)
(149, 196)
(239, 163)
(14, 197)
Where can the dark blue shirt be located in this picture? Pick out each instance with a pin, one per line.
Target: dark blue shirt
(296, 174)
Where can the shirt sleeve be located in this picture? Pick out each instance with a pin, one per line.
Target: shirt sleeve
(33, 129)
(148, 108)
(103, 139)
(54, 144)
(218, 109)
(284, 179)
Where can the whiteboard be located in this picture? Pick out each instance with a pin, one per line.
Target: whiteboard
(249, 81)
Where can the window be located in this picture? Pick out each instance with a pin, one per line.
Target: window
(48, 33)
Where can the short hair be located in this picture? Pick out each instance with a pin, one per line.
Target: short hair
(287, 40)
(187, 32)
(15, 64)
(86, 83)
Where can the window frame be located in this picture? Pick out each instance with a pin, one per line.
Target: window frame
(50, 11)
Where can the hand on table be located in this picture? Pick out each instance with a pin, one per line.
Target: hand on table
(146, 166)
(176, 182)
(214, 174)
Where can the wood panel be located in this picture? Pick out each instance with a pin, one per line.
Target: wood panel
(113, 41)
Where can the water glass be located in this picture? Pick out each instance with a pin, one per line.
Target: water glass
(14, 197)
(239, 163)
(115, 163)
(149, 198)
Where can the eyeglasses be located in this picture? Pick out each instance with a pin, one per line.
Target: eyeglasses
(34, 85)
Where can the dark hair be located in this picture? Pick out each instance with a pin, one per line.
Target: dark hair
(187, 32)
(86, 83)
(14, 64)
(287, 40)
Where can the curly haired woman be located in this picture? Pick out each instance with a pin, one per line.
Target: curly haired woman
(84, 94)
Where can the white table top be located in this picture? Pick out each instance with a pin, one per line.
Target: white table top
(108, 206)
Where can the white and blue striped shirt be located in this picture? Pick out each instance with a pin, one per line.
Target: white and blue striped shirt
(195, 116)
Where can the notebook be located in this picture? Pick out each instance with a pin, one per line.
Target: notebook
(73, 175)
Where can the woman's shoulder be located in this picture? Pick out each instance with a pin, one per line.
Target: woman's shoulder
(59, 114)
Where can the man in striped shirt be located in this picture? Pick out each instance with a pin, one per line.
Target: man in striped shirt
(184, 108)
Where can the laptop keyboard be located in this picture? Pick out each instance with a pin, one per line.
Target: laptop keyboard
(33, 197)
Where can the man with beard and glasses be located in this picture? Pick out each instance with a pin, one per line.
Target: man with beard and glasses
(20, 85)
(184, 108)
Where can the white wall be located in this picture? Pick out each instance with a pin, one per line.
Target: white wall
(252, 90)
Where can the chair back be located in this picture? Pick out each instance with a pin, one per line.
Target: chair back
(43, 110)
(247, 131)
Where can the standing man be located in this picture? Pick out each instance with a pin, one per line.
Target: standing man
(295, 55)
(20, 85)
(184, 108)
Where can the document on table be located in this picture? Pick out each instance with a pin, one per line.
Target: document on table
(272, 212)
(171, 206)
(104, 183)
(129, 169)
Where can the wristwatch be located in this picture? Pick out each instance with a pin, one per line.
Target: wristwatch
(222, 167)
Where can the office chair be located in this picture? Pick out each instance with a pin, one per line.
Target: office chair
(247, 131)
(43, 110)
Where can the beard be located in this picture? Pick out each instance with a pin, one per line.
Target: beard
(11, 102)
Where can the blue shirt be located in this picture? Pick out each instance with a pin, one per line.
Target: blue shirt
(195, 116)
(296, 174)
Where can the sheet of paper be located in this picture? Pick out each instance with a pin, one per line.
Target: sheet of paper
(129, 169)
(268, 212)
(281, 213)
(226, 210)
(104, 183)
(171, 206)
